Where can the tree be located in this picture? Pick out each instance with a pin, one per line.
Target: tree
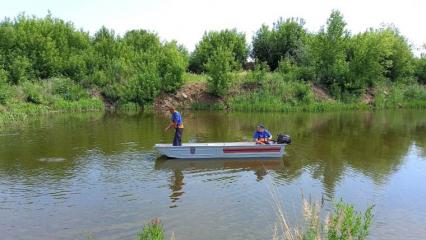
(173, 64)
(287, 39)
(218, 68)
(232, 40)
(329, 50)
(421, 69)
(367, 53)
(400, 61)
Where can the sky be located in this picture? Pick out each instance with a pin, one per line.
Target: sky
(187, 20)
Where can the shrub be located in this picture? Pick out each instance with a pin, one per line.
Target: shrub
(303, 93)
(346, 223)
(4, 88)
(68, 89)
(4, 93)
(415, 92)
(19, 70)
(259, 73)
(34, 93)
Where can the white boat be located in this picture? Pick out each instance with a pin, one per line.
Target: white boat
(222, 150)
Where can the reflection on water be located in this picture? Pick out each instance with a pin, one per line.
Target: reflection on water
(66, 176)
(177, 167)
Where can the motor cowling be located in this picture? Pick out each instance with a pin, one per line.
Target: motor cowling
(283, 139)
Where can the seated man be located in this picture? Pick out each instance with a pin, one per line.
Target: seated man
(262, 136)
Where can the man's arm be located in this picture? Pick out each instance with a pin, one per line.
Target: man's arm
(270, 135)
(172, 124)
(169, 126)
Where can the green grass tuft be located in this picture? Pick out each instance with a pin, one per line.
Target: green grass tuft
(152, 231)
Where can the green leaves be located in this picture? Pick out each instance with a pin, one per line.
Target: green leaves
(218, 68)
(232, 40)
(346, 223)
(132, 68)
(420, 71)
(287, 39)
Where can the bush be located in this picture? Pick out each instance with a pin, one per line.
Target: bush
(415, 92)
(341, 224)
(218, 69)
(19, 70)
(4, 93)
(303, 93)
(34, 93)
(68, 90)
(346, 223)
(259, 73)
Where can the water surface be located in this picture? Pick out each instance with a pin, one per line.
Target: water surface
(76, 176)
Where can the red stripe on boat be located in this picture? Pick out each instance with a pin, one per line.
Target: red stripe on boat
(251, 150)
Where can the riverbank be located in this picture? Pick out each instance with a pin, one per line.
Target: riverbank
(271, 93)
(20, 103)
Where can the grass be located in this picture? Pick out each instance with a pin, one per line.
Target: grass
(194, 78)
(273, 92)
(20, 103)
(18, 113)
(152, 231)
(343, 222)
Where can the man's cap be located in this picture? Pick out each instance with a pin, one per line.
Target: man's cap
(260, 126)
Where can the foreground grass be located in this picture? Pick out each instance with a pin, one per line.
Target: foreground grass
(343, 222)
(152, 231)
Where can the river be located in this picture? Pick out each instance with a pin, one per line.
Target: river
(95, 175)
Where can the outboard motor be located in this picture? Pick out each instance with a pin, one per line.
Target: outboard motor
(283, 139)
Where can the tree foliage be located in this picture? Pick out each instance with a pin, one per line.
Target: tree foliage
(329, 52)
(286, 39)
(135, 67)
(218, 68)
(421, 69)
(232, 40)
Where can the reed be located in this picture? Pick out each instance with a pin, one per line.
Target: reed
(343, 222)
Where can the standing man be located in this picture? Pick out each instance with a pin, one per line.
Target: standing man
(177, 124)
(262, 136)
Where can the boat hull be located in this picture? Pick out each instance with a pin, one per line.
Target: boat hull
(221, 150)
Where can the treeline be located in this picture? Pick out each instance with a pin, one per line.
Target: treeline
(346, 64)
(130, 68)
(137, 66)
